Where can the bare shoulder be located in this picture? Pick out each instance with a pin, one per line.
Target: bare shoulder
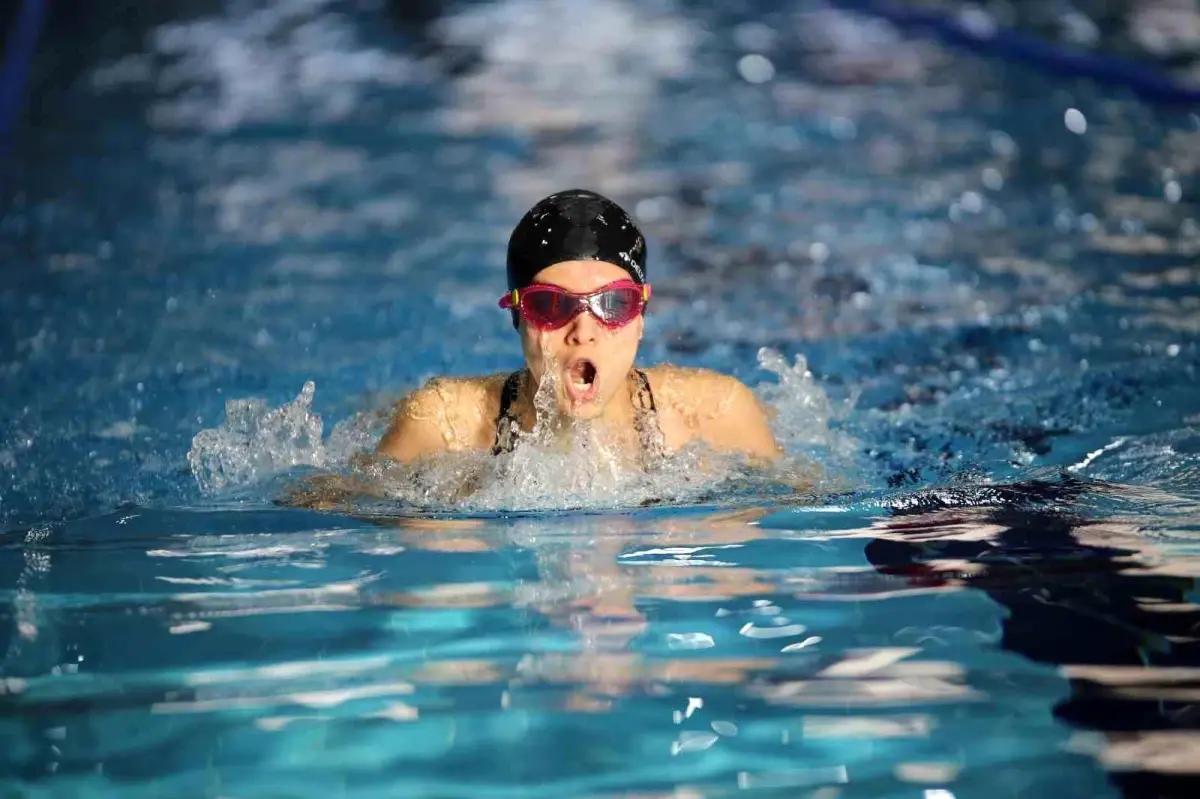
(705, 389)
(445, 414)
(460, 398)
(714, 407)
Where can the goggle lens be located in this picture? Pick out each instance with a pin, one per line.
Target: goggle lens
(618, 306)
(549, 307)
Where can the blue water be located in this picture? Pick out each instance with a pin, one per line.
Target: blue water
(988, 273)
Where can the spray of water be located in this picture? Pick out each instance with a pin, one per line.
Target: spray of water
(257, 442)
(804, 412)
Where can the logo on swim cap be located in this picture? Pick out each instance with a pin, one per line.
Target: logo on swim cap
(574, 225)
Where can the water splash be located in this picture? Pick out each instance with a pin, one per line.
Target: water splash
(551, 467)
(577, 467)
(807, 422)
(257, 441)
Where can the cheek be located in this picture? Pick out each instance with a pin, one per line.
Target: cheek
(621, 345)
(530, 348)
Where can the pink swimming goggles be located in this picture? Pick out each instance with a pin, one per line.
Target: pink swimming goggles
(549, 307)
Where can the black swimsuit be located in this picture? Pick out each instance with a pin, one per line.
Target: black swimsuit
(645, 419)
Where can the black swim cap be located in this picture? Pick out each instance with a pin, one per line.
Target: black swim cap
(574, 225)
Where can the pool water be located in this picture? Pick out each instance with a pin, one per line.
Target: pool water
(967, 289)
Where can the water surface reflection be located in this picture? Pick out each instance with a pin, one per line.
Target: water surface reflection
(987, 641)
(1108, 599)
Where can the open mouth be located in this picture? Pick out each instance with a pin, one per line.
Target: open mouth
(581, 380)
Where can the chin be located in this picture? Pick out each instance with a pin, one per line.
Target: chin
(573, 410)
(584, 411)
(591, 410)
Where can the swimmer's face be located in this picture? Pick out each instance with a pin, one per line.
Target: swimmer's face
(589, 363)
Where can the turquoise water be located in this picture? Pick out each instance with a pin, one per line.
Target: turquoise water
(967, 289)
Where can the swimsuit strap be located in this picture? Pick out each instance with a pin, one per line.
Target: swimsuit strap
(645, 420)
(506, 422)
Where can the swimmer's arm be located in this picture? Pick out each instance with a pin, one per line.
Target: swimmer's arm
(419, 429)
(739, 423)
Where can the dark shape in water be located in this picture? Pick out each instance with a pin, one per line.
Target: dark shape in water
(1074, 598)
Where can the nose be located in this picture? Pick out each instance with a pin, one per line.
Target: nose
(583, 329)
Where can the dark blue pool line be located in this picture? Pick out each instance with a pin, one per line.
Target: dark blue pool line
(1013, 46)
(18, 52)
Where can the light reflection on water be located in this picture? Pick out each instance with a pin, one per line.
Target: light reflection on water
(722, 650)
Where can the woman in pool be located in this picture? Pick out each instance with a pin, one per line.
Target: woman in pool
(577, 291)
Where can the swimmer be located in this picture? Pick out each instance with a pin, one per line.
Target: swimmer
(577, 293)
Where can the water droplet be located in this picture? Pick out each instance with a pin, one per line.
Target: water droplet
(1003, 144)
(1075, 121)
(843, 128)
(755, 68)
(977, 22)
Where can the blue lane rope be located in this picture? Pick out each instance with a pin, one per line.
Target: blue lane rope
(1010, 45)
(18, 52)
